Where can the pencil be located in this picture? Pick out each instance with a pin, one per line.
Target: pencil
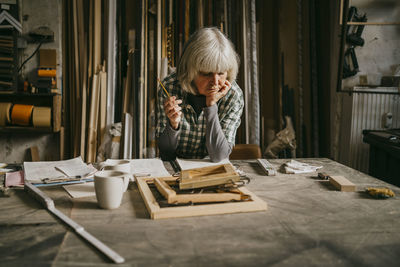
(165, 90)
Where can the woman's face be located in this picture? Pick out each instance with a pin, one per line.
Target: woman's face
(207, 82)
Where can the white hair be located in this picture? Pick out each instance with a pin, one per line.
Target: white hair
(207, 50)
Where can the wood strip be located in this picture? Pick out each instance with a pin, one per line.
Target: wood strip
(103, 105)
(83, 75)
(111, 62)
(97, 34)
(34, 153)
(164, 188)
(149, 200)
(342, 184)
(77, 95)
(62, 144)
(56, 113)
(92, 126)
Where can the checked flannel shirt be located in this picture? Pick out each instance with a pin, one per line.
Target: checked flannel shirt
(191, 141)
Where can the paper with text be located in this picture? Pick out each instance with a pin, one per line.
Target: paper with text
(35, 172)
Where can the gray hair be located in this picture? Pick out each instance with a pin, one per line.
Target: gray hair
(207, 50)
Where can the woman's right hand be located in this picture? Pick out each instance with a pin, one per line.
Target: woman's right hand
(173, 111)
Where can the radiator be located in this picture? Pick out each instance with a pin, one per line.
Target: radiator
(367, 112)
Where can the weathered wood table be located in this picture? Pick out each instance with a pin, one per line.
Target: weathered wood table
(307, 223)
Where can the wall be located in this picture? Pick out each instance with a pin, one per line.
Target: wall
(381, 51)
(379, 56)
(35, 13)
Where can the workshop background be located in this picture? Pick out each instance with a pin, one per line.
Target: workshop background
(311, 85)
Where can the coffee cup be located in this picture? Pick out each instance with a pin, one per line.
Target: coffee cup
(122, 165)
(110, 186)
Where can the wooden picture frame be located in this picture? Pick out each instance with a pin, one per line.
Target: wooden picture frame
(208, 176)
(157, 212)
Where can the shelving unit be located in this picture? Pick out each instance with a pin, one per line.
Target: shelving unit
(42, 100)
(344, 9)
(8, 59)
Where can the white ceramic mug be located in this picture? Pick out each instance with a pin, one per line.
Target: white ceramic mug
(110, 186)
(122, 165)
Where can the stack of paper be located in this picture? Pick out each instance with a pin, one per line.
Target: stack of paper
(38, 172)
(294, 166)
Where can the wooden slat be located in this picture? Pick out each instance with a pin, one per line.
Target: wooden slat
(103, 105)
(92, 125)
(56, 109)
(34, 153)
(77, 96)
(83, 74)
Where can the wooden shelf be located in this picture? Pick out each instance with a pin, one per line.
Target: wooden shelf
(372, 23)
(25, 129)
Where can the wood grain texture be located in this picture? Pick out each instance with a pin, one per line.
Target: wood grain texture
(342, 184)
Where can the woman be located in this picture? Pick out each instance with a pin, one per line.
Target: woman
(203, 112)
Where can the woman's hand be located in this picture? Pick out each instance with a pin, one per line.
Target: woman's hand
(217, 92)
(173, 111)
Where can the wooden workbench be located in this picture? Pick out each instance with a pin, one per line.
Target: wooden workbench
(307, 223)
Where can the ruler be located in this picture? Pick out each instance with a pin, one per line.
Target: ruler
(49, 204)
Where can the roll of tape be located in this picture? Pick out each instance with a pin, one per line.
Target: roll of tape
(5, 113)
(21, 114)
(41, 117)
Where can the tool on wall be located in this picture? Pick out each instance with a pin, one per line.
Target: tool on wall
(40, 35)
(353, 39)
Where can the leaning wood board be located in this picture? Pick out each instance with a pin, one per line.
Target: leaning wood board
(157, 212)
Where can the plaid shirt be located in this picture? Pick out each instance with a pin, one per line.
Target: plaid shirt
(192, 138)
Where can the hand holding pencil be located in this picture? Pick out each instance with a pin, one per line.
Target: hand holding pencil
(172, 108)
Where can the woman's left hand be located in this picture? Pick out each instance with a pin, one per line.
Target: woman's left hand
(217, 93)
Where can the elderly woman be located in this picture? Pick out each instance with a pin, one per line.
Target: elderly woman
(203, 112)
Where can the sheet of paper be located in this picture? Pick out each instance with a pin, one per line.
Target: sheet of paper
(14, 178)
(36, 171)
(149, 167)
(80, 190)
(187, 164)
(77, 170)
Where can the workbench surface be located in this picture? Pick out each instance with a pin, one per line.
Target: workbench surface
(307, 223)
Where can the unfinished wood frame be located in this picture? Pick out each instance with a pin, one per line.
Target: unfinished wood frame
(157, 212)
(208, 176)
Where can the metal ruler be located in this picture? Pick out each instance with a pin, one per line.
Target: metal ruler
(49, 204)
(267, 167)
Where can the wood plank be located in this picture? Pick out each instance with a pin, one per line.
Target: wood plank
(111, 61)
(149, 200)
(103, 105)
(83, 75)
(92, 125)
(34, 153)
(56, 113)
(342, 184)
